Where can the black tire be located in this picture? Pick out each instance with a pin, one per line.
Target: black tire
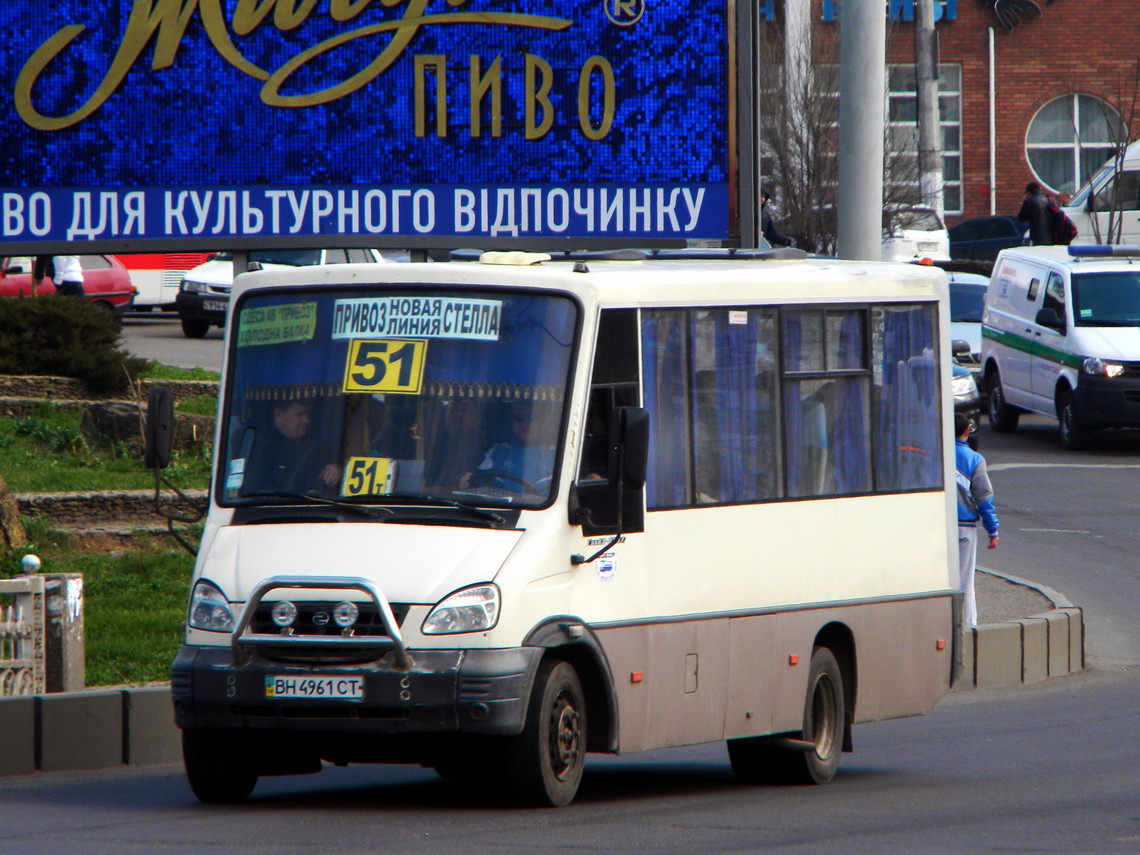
(192, 328)
(545, 762)
(763, 760)
(219, 765)
(1074, 435)
(1003, 417)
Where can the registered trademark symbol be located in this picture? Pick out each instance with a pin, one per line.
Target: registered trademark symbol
(624, 13)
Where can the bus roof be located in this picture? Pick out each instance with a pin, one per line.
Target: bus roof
(674, 281)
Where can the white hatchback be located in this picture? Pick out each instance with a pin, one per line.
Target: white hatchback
(914, 233)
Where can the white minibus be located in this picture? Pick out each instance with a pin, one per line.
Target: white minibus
(491, 516)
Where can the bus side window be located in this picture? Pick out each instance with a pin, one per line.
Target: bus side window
(615, 384)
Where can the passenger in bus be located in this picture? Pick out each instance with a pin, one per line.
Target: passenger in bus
(455, 441)
(286, 459)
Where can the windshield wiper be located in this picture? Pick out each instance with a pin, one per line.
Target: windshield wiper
(377, 510)
(440, 501)
(363, 510)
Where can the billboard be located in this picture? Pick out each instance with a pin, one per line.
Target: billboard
(245, 123)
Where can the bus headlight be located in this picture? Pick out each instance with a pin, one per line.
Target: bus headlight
(470, 610)
(1096, 365)
(210, 610)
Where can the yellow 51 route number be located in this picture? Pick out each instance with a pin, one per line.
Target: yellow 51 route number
(395, 366)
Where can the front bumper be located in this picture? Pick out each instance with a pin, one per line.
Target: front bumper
(1108, 402)
(202, 306)
(443, 691)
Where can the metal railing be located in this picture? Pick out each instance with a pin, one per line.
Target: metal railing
(23, 656)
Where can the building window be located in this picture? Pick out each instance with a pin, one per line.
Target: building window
(902, 135)
(1070, 138)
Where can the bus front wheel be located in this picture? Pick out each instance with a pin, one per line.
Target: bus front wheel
(813, 757)
(546, 761)
(219, 764)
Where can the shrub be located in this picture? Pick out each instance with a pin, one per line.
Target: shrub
(66, 338)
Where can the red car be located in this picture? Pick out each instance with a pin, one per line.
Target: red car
(105, 281)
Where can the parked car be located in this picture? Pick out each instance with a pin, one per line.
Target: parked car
(967, 300)
(105, 281)
(914, 232)
(204, 296)
(983, 238)
(967, 400)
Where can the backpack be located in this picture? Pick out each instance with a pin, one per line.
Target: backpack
(1064, 229)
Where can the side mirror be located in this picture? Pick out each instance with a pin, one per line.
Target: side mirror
(959, 346)
(159, 428)
(631, 444)
(1048, 318)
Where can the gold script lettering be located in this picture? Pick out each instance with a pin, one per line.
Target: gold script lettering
(165, 22)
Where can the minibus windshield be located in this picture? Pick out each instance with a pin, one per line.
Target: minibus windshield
(446, 397)
(1107, 299)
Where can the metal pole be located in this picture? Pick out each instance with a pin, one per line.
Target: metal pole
(862, 92)
(929, 126)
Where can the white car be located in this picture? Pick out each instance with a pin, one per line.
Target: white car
(204, 296)
(967, 300)
(914, 233)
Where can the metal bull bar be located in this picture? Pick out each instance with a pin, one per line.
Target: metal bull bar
(394, 640)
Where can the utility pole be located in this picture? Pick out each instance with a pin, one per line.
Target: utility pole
(929, 127)
(862, 89)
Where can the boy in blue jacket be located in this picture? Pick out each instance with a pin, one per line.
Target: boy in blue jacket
(975, 502)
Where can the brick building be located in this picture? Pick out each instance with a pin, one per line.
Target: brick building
(1065, 89)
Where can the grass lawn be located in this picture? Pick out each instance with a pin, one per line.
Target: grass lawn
(135, 600)
(135, 596)
(47, 453)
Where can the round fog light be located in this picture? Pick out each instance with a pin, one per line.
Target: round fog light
(284, 613)
(345, 614)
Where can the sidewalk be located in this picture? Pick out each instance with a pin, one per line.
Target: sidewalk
(1026, 633)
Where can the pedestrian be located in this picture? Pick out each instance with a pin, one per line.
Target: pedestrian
(975, 502)
(768, 225)
(1035, 211)
(68, 275)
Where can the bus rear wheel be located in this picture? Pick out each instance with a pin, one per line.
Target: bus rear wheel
(219, 764)
(545, 762)
(813, 756)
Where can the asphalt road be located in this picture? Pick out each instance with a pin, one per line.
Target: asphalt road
(158, 336)
(1048, 769)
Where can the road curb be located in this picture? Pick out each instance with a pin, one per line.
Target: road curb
(1024, 650)
(98, 728)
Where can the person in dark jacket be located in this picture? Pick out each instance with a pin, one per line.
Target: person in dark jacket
(768, 225)
(1035, 211)
(286, 459)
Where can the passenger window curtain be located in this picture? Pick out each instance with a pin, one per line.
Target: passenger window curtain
(664, 371)
(908, 441)
(733, 390)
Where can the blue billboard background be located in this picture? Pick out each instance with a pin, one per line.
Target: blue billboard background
(100, 145)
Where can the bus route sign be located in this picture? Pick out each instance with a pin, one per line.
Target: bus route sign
(245, 123)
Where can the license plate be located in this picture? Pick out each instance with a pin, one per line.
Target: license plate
(215, 305)
(314, 687)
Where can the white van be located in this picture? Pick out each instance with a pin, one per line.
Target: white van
(1061, 337)
(1107, 209)
(488, 517)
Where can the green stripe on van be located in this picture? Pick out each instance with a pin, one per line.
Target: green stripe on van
(1033, 347)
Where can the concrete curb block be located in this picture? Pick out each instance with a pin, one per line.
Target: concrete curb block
(88, 730)
(1026, 650)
